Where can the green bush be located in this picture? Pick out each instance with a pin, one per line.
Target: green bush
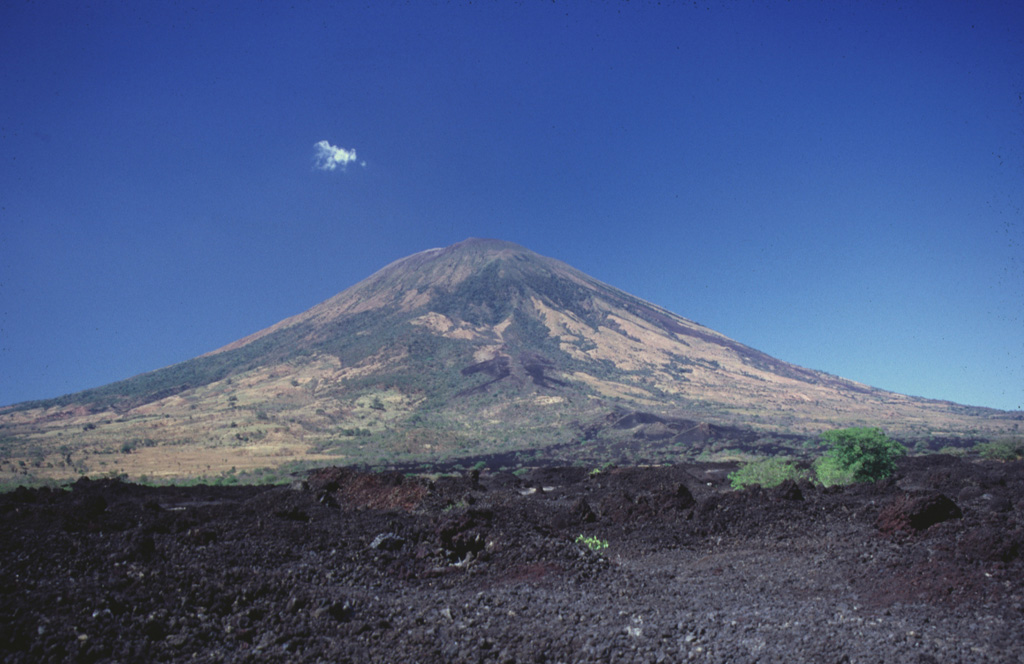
(1004, 449)
(768, 473)
(828, 472)
(858, 454)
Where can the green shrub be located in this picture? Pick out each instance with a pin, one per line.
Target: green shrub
(1004, 449)
(858, 454)
(828, 472)
(768, 473)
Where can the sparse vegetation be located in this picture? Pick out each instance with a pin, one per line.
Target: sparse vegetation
(767, 473)
(1004, 449)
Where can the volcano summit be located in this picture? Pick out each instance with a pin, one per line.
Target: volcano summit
(480, 347)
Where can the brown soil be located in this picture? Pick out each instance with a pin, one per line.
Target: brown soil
(346, 566)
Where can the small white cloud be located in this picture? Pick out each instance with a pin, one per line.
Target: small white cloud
(329, 157)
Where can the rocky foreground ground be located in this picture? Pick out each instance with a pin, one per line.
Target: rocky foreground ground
(359, 567)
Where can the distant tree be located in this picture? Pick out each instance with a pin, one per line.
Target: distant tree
(858, 454)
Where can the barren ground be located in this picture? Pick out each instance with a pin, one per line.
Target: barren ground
(348, 566)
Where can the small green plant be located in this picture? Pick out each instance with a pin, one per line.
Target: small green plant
(768, 473)
(858, 454)
(451, 507)
(595, 544)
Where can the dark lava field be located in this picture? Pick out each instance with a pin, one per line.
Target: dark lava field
(348, 566)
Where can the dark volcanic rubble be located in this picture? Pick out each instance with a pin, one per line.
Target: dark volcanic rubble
(349, 566)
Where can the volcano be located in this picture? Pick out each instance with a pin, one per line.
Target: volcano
(480, 347)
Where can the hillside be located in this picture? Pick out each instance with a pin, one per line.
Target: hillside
(480, 347)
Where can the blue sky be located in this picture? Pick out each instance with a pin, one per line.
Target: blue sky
(838, 184)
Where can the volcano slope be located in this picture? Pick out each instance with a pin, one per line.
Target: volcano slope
(346, 566)
(483, 347)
